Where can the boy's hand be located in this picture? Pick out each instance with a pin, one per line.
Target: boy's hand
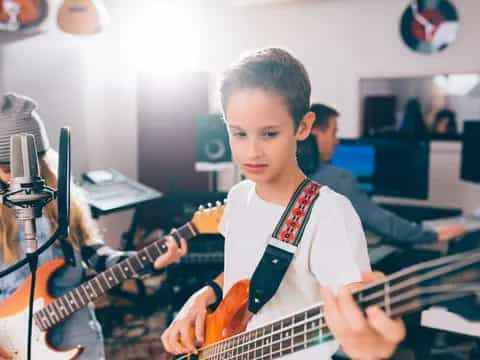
(4, 355)
(173, 254)
(375, 336)
(177, 339)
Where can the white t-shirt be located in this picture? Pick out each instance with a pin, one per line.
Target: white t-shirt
(333, 252)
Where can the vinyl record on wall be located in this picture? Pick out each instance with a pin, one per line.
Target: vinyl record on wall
(429, 26)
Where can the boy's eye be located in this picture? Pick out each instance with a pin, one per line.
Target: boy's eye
(239, 134)
(270, 133)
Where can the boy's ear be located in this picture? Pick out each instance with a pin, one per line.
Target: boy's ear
(305, 126)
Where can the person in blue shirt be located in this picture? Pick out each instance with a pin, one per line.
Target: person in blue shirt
(374, 218)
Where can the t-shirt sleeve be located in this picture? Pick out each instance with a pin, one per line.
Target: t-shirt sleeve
(223, 226)
(339, 253)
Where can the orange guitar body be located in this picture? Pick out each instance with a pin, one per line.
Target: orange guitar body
(232, 315)
(30, 12)
(13, 318)
(18, 301)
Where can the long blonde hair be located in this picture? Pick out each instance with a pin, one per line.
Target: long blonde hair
(82, 228)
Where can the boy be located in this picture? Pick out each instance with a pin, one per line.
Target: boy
(265, 99)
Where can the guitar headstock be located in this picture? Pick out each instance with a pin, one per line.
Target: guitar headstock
(207, 219)
(445, 279)
(422, 285)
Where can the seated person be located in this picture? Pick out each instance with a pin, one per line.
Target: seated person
(413, 122)
(373, 217)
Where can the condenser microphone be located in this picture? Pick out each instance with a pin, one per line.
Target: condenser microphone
(27, 193)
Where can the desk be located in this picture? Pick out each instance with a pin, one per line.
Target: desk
(442, 319)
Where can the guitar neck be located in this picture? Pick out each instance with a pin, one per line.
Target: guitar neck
(397, 295)
(91, 290)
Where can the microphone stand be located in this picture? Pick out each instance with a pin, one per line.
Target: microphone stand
(61, 233)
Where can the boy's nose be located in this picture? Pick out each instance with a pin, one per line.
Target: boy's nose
(254, 149)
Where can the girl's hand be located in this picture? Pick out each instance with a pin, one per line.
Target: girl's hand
(173, 254)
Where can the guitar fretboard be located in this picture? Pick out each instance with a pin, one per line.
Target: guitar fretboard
(94, 288)
(397, 295)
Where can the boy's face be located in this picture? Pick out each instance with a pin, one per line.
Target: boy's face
(262, 134)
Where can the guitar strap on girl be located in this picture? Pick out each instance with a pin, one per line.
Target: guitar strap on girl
(282, 246)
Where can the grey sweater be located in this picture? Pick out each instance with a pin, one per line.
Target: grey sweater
(374, 218)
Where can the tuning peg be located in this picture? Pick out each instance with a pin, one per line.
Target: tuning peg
(225, 200)
(201, 208)
(218, 203)
(209, 205)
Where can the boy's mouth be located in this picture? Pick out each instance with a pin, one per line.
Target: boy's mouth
(255, 168)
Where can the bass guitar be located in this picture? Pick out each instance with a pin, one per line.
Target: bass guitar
(409, 290)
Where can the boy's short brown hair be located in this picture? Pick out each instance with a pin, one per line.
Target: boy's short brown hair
(273, 70)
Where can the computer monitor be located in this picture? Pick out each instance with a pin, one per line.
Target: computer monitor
(470, 166)
(359, 159)
(387, 166)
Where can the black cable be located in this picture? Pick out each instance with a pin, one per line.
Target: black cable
(32, 262)
(25, 260)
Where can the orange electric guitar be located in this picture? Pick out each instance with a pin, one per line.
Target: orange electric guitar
(82, 16)
(48, 311)
(22, 14)
(406, 291)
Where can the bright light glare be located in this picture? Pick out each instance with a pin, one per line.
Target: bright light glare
(168, 38)
(457, 84)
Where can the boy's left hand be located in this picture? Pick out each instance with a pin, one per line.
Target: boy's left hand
(173, 254)
(375, 336)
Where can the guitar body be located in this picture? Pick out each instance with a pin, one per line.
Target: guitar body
(232, 315)
(21, 14)
(81, 16)
(14, 319)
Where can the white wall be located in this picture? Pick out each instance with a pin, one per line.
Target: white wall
(91, 81)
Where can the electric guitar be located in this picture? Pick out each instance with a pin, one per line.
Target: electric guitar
(406, 291)
(21, 14)
(48, 311)
(82, 16)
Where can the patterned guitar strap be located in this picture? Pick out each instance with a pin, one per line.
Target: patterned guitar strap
(282, 245)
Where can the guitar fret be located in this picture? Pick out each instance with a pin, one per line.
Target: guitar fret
(134, 267)
(144, 259)
(89, 286)
(59, 308)
(117, 273)
(147, 255)
(388, 309)
(79, 296)
(45, 318)
(85, 292)
(73, 302)
(99, 284)
(53, 314)
(66, 305)
(40, 322)
(103, 280)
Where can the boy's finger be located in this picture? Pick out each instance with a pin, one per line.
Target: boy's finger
(392, 330)
(350, 311)
(335, 320)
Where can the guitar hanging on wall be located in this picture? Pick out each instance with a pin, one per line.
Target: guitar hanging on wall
(20, 15)
(82, 16)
